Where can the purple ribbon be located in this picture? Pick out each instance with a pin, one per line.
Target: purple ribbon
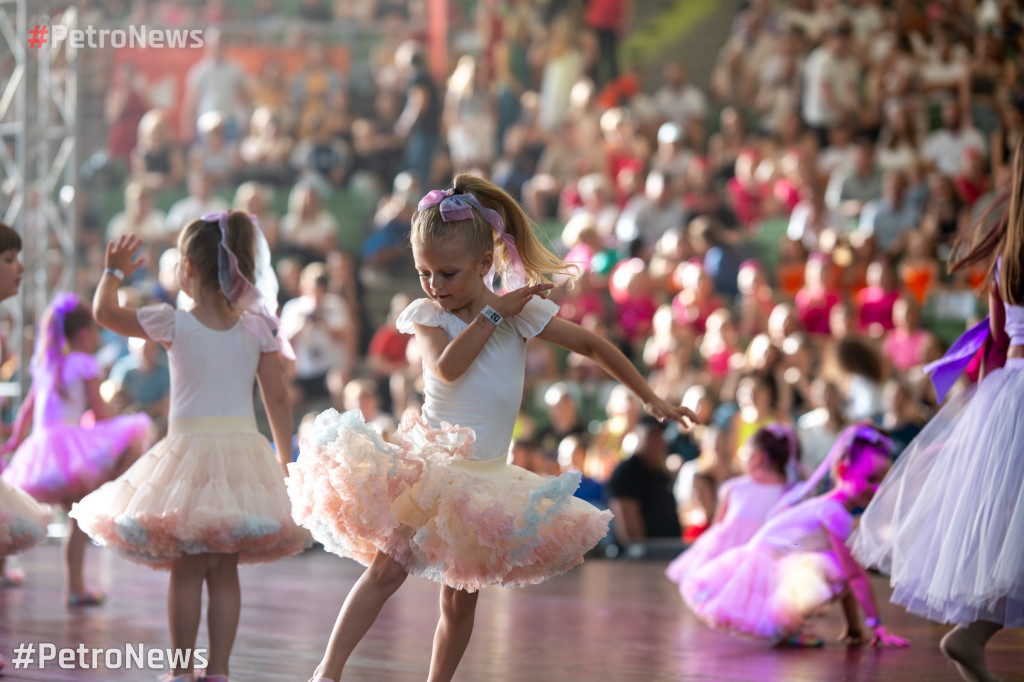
(946, 370)
(460, 207)
(244, 295)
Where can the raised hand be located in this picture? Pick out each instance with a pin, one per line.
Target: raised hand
(662, 409)
(120, 254)
(513, 302)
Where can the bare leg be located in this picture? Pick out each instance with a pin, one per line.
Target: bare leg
(360, 610)
(74, 559)
(225, 603)
(965, 646)
(185, 605)
(458, 610)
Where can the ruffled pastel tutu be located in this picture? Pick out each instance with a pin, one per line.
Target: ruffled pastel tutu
(464, 523)
(62, 462)
(22, 520)
(755, 590)
(213, 485)
(947, 523)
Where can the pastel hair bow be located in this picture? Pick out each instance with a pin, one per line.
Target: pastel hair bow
(459, 206)
(259, 298)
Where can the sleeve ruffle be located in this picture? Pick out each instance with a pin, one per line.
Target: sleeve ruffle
(535, 316)
(158, 321)
(421, 311)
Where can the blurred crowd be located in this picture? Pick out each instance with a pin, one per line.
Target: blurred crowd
(771, 249)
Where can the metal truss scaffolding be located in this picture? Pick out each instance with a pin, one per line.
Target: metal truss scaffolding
(38, 154)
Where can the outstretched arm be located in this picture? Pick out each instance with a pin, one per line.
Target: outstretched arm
(860, 586)
(588, 344)
(106, 307)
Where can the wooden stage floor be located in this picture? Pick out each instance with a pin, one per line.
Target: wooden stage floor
(606, 620)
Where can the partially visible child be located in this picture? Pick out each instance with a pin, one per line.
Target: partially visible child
(62, 460)
(22, 520)
(743, 503)
(798, 562)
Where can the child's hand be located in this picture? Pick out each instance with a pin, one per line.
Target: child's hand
(663, 409)
(513, 302)
(121, 253)
(885, 639)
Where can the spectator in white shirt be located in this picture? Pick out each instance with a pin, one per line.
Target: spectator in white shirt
(199, 202)
(139, 217)
(678, 100)
(946, 147)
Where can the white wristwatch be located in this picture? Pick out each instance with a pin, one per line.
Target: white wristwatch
(492, 315)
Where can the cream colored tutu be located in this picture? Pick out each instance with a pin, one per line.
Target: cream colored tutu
(460, 522)
(22, 520)
(213, 485)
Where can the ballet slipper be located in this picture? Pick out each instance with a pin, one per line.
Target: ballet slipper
(84, 599)
(801, 642)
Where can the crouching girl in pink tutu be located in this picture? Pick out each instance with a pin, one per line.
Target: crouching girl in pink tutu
(444, 504)
(211, 494)
(62, 460)
(799, 562)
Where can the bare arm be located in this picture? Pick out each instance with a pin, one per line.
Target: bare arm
(575, 338)
(629, 524)
(997, 343)
(106, 307)
(449, 360)
(96, 402)
(860, 586)
(270, 376)
(22, 422)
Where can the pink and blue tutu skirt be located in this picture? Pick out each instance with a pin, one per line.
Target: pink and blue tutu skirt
(440, 514)
(213, 485)
(22, 520)
(62, 462)
(947, 523)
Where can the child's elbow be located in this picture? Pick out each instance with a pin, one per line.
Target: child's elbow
(101, 314)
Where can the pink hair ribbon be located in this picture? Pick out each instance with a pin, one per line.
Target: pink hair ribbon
(459, 206)
(259, 298)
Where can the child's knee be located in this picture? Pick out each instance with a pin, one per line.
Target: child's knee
(386, 572)
(458, 603)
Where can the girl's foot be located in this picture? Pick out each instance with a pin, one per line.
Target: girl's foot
(968, 654)
(12, 577)
(88, 598)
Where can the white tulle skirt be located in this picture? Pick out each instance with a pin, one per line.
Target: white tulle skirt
(947, 523)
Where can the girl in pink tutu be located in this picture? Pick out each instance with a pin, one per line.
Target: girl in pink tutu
(798, 561)
(211, 494)
(22, 520)
(773, 465)
(948, 523)
(443, 503)
(61, 459)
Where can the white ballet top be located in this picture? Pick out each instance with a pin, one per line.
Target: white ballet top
(487, 397)
(52, 407)
(805, 527)
(211, 371)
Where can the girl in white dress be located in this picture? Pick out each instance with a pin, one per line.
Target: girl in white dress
(443, 503)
